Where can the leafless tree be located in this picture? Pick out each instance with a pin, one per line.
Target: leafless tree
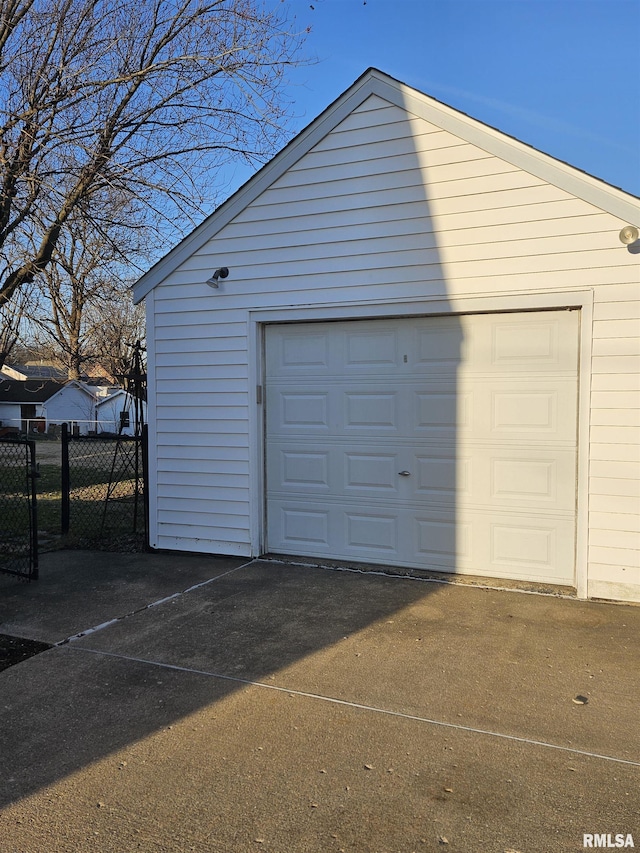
(83, 293)
(142, 98)
(13, 317)
(117, 325)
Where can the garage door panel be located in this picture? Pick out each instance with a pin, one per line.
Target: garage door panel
(335, 529)
(437, 346)
(304, 526)
(535, 342)
(441, 476)
(445, 443)
(468, 541)
(300, 410)
(300, 469)
(372, 349)
(495, 477)
(474, 542)
(521, 543)
(323, 349)
(370, 411)
(532, 341)
(528, 409)
(441, 409)
(534, 412)
(367, 410)
(295, 352)
(504, 477)
(336, 470)
(524, 411)
(545, 479)
(370, 472)
(528, 550)
(372, 531)
(444, 544)
(494, 344)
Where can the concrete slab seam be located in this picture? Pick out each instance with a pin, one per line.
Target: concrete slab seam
(361, 707)
(87, 632)
(442, 581)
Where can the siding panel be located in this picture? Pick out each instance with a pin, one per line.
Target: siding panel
(453, 246)
(625, 539)
(615, 400)
(614, 556)
(615, 435)
(618, 328)
(619, 486)
(624, 470)
(616, 417)
(616, 346)
(613, 522)
(614, 503)
(627, 311)
(300, 230)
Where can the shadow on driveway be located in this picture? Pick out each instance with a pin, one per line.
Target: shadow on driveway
(292, 708)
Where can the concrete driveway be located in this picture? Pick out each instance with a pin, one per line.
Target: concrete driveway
(219, 705)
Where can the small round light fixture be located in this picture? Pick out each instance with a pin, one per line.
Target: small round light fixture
(629, 235)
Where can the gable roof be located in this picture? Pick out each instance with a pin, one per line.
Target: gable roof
(27, 391)
(111, 397)
(75, 383)
(373, 82)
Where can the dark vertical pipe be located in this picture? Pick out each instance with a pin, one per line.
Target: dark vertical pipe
(144, 437)
(65, 513)
(33, 475)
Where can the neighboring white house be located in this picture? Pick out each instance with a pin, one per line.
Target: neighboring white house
(92, 409)
(426, 354)
(74, 404)
(22, 404)
(115, 412)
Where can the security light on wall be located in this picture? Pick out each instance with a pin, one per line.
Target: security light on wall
(629, 235)
(223, 272)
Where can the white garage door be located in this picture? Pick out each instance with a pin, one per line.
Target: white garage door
(441, 443)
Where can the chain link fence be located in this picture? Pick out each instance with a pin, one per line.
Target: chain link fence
(103, 490)
(18, 517)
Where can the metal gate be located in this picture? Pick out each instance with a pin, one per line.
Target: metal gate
(18, 509)
(103, 487)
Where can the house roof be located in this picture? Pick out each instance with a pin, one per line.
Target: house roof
(75, 383)
(34, 371)
(27, 391)
(373, 82)
(110, 397)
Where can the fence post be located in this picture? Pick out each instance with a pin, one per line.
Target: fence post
(33, 475)
(64, 480)
(144, 437)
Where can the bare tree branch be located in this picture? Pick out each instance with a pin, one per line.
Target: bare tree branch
(141, 98)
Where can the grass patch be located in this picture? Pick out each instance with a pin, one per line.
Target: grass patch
(49, 497)
(94, 522)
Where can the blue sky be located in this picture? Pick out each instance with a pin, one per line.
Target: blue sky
(561, 75)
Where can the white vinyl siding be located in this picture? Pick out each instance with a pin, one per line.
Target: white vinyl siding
(614, 541)
(386, 207)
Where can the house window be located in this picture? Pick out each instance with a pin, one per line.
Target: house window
(124, 419)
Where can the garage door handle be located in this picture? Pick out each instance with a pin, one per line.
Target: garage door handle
(404, 473)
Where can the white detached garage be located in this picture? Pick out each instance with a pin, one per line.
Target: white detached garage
(426, 354)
